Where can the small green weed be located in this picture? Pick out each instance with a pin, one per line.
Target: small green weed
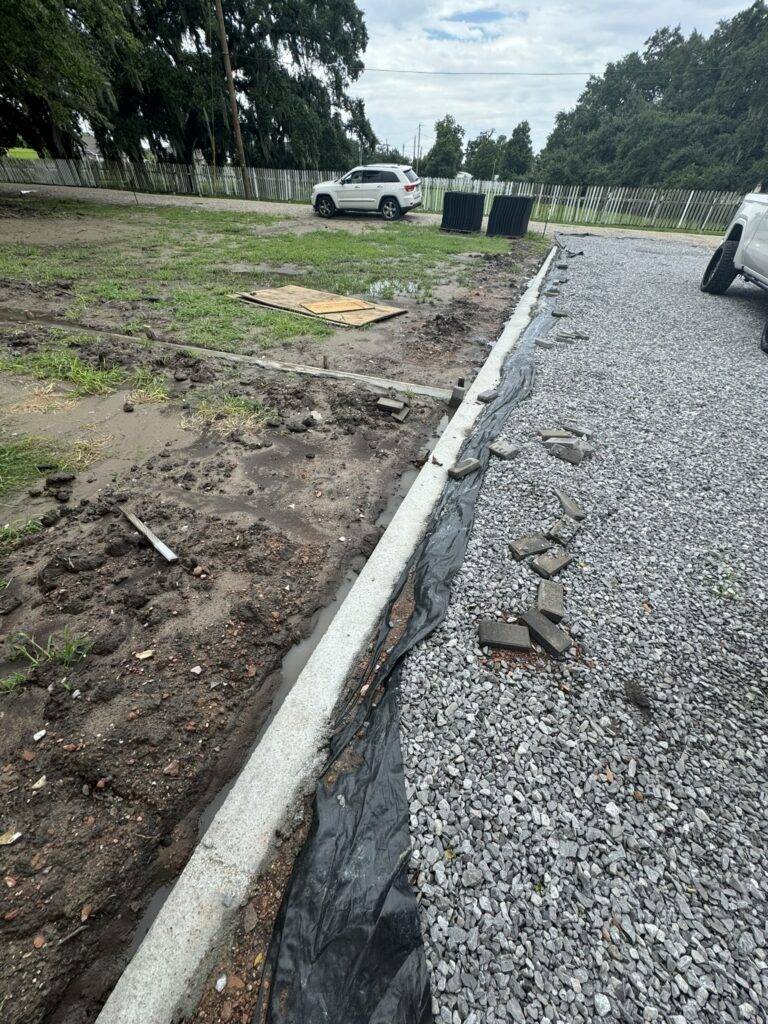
(244, 412)
(63, 648)
(11, 535)
(148, 387)
(9, 683)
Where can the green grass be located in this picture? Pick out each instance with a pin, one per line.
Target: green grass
(57, 362)
(63, 365)
(232, 409)
(187, 258)
(9, 683)
(11, 535)
(19, 460)
(22, 153)
(64, 648)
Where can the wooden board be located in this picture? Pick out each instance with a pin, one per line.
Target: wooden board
(295, 299)
(336, 306)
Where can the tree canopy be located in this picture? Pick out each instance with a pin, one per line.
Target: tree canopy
(502, 157)
(148, 73)
(688, 112)
(444, 158)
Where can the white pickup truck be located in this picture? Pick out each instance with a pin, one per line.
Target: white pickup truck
(744, 251)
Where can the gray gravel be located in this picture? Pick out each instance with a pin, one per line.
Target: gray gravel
(591, 836)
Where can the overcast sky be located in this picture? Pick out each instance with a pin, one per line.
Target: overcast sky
(507, 35)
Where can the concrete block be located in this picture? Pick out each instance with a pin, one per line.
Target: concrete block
(509, 637)
(550, 600)
(574, 428)
(555, 432)
(463, 468)
(559, 313)
(390, 405)
(573, 453)
(563, 531)
(531, 544)
(488, 396)
(503, 450)
(550, 565)
(402, 415)
(544, 343)
(546, 634)
(457, 397)
(569, 505)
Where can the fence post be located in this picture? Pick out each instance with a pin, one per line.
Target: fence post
(685, 211)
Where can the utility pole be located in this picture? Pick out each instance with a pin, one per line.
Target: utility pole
(233, 101)
(418, 150)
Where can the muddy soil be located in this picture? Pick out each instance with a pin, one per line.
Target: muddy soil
(434, 343)
(107, 763)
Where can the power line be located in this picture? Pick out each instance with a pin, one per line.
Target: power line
(552, 74)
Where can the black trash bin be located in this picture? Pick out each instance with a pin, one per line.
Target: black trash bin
(462, 211)
(510, 216)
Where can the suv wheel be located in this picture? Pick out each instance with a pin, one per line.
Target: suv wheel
(390, 208)
(720, 271)
(325, 206)
(764, 339)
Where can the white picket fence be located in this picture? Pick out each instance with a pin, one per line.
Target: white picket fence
(648, 207)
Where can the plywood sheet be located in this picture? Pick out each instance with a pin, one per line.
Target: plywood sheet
(339, 309)
(336, 305)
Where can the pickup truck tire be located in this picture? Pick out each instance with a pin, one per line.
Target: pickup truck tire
(764, 338)
(325, 206)
(720, 271)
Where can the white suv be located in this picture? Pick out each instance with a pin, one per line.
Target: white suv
(392, 189)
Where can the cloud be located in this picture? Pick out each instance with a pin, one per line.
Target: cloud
(501, 36)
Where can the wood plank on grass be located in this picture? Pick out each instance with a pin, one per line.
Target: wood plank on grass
(295, 299)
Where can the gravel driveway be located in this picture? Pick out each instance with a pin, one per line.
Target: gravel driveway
(591, 835)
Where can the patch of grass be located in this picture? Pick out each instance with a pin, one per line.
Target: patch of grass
(64, 648)
(148, 387)
(19, 461)
(63, 365)
(22, 153)
(182, 257)
(11, 535)
(248, 413)
(9, 683)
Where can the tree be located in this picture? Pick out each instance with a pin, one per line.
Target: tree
(517, 153)
(54, 70)
(148, 74)
(444, 158)
(483, 155)
(686, 112)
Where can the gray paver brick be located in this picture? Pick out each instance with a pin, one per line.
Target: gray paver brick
(546, 634)
(550, 600)
(503, 450)
(508, 636)
(570, 506)
(463, 468)
(530, 544)
(550, 565)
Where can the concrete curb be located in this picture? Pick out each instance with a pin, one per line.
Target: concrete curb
(163, 980)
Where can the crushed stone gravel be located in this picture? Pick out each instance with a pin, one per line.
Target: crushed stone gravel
(590, 836)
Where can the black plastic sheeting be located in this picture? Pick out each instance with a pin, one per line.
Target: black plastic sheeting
(347, 944)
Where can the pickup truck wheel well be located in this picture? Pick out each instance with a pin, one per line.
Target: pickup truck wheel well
(735, 234)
